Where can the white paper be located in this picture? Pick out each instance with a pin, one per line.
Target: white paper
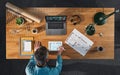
(27, 45)
(54, 45)
(79, 42)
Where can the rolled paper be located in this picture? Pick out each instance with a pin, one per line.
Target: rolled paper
(19, 15)
(22, 12)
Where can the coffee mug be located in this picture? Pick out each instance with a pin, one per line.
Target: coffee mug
(100, 48)
(35, 31)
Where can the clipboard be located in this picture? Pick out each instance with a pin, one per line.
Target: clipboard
(26, 41)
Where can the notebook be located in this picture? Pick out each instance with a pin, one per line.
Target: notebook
(79, 42)
(26, 46)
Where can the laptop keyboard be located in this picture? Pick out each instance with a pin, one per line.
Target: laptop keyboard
(53, 25)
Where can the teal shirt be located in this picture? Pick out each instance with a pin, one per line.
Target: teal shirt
(33, 69)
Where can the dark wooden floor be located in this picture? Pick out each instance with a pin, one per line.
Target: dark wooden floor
(70, 67)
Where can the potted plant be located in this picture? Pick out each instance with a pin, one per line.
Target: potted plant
(20, 21)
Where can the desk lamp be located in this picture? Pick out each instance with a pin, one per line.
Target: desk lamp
(100, 17)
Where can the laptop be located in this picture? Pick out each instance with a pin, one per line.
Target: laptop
(55, 25)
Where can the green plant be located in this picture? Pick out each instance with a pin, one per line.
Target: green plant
(19, 21)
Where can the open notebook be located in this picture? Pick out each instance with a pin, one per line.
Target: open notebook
(79, 42)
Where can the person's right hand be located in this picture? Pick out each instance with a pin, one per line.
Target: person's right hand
(60, 50)
(37, 45)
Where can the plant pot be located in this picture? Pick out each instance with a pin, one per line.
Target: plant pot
(20, 21)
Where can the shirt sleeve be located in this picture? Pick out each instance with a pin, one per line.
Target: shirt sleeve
(56, 70)
(30, 66)
(59, 63)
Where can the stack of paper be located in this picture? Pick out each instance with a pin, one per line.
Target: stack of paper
(27, 46)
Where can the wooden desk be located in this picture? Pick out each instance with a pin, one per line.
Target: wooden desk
(87, 14)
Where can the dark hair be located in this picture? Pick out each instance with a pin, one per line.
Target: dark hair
(41, 55)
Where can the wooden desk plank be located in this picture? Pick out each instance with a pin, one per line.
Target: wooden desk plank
(86, 14)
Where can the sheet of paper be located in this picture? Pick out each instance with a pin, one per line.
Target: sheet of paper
(79, 42)
(27, 46)
(53, 45)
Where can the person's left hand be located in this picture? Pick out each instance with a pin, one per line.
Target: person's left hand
(37, 45)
